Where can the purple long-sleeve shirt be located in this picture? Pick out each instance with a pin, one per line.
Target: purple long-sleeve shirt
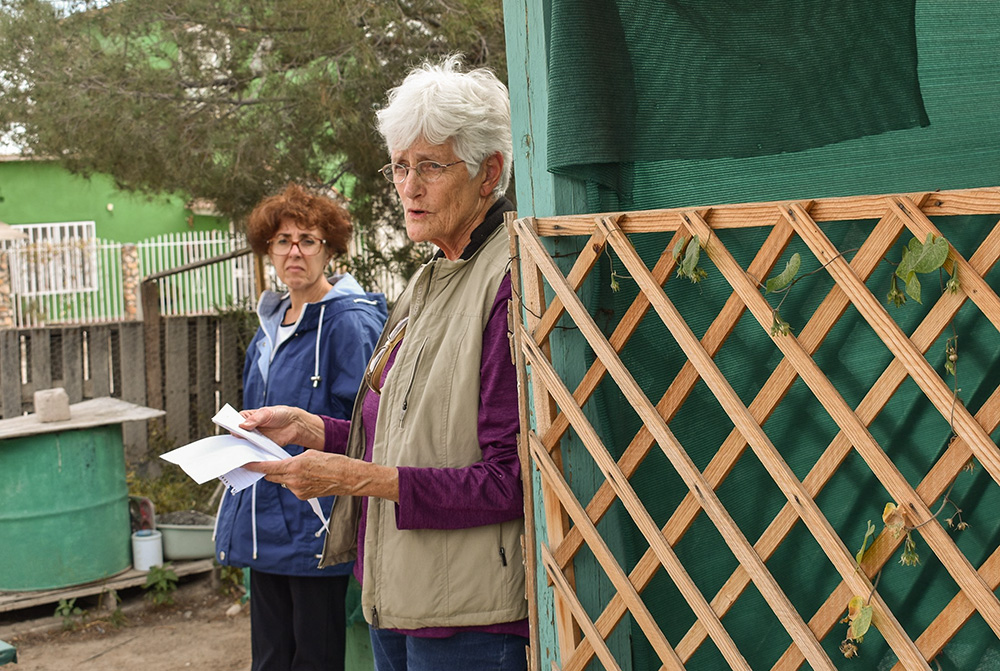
(486, 492)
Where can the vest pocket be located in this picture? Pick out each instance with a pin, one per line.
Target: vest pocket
(409, 383)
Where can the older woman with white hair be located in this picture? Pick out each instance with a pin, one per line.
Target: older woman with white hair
(427, 470)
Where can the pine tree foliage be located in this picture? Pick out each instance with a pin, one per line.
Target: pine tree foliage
(227, 100)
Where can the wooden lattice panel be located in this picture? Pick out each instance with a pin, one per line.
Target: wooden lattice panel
(572, 523)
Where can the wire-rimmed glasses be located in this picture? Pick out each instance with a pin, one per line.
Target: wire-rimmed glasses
(428, 171)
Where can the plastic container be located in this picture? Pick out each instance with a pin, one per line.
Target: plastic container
(187, 541)
(147, 549)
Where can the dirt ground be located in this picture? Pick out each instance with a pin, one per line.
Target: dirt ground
(204, 630)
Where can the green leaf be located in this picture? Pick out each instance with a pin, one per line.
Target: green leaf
(931, 255)
(913, 287)
(864, 544)
(679, 247)
(787, 275)
(691, 257)
(861, 622)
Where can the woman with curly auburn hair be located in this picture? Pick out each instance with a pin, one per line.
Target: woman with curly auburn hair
(310, 351)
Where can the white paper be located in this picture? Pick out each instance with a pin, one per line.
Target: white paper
(230, 420)
(224, 456)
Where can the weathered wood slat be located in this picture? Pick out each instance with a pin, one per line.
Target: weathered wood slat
(135, 435)
(152, 327)
(204, 391)
(99, 353)
(516, 327)
(12, 601)
(177, 393)
(72, 363)
(10, 372)
(230, 365)
(41, 362)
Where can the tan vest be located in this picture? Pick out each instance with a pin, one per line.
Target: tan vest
(428, 416)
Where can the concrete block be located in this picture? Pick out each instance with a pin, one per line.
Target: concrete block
(52, 405)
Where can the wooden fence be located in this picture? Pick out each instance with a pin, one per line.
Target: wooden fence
(739, 536)
(198, 368)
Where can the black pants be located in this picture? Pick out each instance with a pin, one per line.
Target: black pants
(297, 624)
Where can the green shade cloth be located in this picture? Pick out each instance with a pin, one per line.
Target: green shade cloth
(640, 80)
(637, 167)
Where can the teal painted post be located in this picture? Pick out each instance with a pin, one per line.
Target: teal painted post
(540, 193)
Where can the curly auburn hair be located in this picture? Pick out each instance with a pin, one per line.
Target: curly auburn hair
(308, 210)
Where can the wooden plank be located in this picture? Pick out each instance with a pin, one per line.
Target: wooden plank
(516, 326)
(177, 401)
(99, 353)
(204, 390)
(72, 363)
(230, 365)
(152, 325)
(754, 215)
(556, 518)
(10, 372)
(41, 361)
(12, 601)
(135, 435)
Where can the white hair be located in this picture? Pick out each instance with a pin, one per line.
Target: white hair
(437, 102)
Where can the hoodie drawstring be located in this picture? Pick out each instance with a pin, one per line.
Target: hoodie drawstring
(317, 378)
(253, 518)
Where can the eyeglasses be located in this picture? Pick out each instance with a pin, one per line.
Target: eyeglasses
(308, 245)
(429, 171)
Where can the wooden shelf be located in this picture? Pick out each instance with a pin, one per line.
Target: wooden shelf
(10, 601)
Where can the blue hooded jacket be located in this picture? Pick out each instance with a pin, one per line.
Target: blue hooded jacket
(319, 368)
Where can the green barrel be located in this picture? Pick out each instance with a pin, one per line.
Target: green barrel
(64, 517)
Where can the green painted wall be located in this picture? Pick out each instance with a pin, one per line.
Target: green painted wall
(42, 192)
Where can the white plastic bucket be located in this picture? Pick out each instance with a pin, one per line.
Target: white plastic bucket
(147, 549)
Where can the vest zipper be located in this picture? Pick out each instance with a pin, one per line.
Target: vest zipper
(503, 556)
(409, 385)
(374, 617)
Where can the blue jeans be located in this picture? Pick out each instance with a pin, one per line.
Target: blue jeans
(465, 651)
